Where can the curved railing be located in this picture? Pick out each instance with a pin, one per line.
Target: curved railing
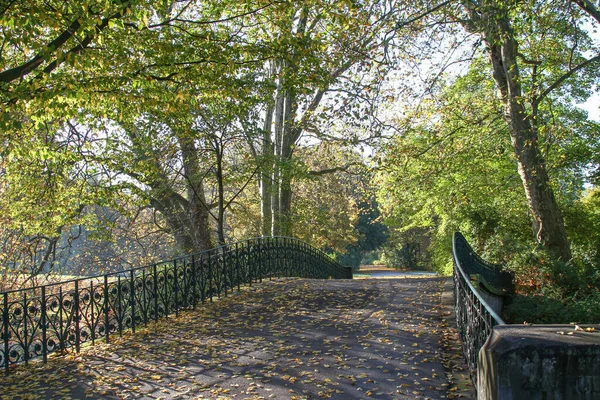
(40, 320)
(474, 316)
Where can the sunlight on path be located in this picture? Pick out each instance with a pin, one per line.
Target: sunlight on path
(383, 272)
(286, 339)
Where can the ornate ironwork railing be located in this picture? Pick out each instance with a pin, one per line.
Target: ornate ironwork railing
(40, 320)
(474, 316)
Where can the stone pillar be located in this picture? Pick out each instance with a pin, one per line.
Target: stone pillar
(349, 274)
(540, 362)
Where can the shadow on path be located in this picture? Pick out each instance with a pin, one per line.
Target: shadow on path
(286, 339)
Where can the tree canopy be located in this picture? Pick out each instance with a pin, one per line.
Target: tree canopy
(195, 122)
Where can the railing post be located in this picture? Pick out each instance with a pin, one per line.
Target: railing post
(175, 288)
(185, 289)
(61, 338)
(202, 280)
(248, 263)
(231, 268)
(274, 259)
(259, 261)
(76, 317)
(224, 274)
(144, 298)
(44, 326)
(119, 306)
(269, 257)
(132, 299)
(5, 333)
(92, 319)
(194, 283)
(184, 299)
(237, 265)
(25, 331)
(166, 291)
(155, 290)
(210, 280)
(106, 311)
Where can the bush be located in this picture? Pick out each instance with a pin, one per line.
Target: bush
(546, 310)
(553, 292)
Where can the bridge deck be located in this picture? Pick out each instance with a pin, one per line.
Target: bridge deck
(286, 339)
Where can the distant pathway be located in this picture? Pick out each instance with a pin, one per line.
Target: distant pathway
(286, 339)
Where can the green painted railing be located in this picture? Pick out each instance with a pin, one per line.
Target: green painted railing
(475, 318)
(40, 320)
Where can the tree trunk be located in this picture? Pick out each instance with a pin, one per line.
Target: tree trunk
(548, 224)
(218, 146)
(187, 218)
(195, 209)
(266, 213)
(287, 150)
(279, 120)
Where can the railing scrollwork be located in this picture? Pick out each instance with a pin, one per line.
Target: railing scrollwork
(37, 321)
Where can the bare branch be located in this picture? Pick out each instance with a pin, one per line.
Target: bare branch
(343, 168)
(566, 76)
(31, 65)
(589, 8)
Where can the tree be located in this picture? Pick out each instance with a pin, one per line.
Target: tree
(326, 202)
(325, 56)
(552, 64)
(454, 169)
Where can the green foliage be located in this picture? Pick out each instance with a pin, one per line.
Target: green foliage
(407, 250)
(326, 203)
(352, 257)
(544, 310)
(372, 235)
(452, 170)
(550, 291)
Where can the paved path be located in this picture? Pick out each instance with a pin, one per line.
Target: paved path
(285, 339)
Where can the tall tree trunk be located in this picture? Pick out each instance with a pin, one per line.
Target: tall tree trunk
(172, 212)
(266, 189)
(218, 146)
(493, 24)
(196, 209)
(287, 149)
(279, 122)
(187, 217)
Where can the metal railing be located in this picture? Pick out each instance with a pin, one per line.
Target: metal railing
(40, 320)
(474, 316)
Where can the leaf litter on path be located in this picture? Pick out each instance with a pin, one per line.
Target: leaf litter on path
(284, 339)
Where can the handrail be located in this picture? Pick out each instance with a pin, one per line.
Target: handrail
(474, 316)
(39, 320)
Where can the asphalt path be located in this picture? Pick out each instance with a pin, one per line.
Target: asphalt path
(283, 339)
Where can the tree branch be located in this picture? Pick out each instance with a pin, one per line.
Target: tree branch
(564, 77)
(31, 65)
(24, 69)
(243, 187)
(589, 8)
(527, 61)
(326, 171)
(422, 15)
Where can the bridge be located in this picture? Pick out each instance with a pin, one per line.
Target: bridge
(255, 319)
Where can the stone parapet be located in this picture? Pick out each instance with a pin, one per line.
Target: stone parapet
(549, 362)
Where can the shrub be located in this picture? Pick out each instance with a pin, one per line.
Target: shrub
(553, 292)
(545, 310)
